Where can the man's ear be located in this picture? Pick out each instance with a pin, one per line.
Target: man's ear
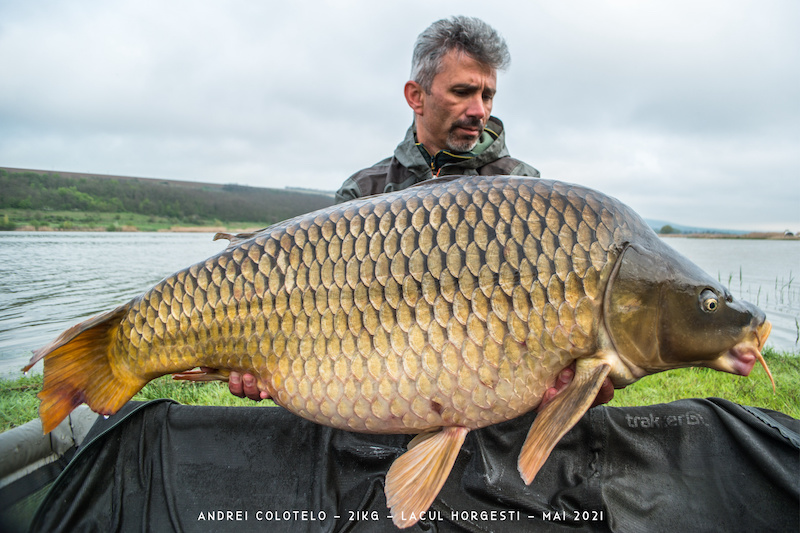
(415, 96)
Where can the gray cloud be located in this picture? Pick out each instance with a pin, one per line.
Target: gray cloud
(687, 111)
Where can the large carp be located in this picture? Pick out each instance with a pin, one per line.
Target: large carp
(435, 310)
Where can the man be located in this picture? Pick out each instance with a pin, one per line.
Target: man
(451, 91)
(454, 81)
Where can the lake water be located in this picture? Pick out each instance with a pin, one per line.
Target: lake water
(51, 281)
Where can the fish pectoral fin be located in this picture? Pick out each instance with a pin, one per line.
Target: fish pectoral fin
(203, 374)
(417, 476)
(560, 415)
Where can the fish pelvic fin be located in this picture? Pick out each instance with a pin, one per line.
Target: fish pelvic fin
(560, 415)
(416, 477)
(203, 374)
(422, 437)
(77, 370)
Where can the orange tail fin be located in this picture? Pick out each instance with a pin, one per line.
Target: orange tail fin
(77, 370)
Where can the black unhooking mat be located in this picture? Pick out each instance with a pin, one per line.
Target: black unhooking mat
(691, 465)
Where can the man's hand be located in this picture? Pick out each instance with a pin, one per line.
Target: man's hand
(245, 386)
(604, 395)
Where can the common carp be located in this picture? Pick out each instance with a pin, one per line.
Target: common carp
(435, 310)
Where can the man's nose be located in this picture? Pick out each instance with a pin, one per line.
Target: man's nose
(477, 107)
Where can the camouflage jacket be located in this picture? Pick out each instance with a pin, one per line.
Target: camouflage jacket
(409, 166)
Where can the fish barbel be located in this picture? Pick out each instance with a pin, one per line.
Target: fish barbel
(439, 309)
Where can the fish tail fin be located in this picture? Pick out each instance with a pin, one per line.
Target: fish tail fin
(77, 369)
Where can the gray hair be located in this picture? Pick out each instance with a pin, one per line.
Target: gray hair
(469, 35)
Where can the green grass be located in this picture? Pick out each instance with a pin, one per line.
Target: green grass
(99, 221)
(755, 390)
(18, 402)
(190, 393)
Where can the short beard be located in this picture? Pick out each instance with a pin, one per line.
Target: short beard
(457, 145)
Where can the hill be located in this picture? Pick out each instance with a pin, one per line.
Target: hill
(49, 197)
(37, 199)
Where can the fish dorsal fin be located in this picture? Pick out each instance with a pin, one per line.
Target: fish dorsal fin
(558, 417)
(436, 181)
(234, 239)
(417, 476)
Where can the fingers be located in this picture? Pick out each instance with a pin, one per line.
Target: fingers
(562, 380)
(235, 384)
(565, 377)
(246, 386)
(549, 394)
(604, 395)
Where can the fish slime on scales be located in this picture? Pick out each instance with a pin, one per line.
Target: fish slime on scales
(435, 310)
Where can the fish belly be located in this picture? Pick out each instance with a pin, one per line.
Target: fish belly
(449, 305)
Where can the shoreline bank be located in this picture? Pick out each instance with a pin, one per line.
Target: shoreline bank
(777, 236)
(134, 229)
(756, 235)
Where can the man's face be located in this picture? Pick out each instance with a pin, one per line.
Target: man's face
(456, 110)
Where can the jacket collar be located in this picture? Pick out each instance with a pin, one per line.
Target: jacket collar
(490, 147)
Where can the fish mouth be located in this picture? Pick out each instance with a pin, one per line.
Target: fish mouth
(741, 359)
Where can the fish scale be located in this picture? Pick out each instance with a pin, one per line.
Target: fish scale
(456, 305)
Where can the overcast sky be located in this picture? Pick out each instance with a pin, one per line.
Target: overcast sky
(689, 111)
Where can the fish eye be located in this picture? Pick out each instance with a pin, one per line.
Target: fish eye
(709, 301)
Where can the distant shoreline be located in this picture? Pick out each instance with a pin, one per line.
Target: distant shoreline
(217, 229)
(133, 229)
(758, 235)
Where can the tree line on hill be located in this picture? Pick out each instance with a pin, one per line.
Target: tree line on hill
(184, 202)
(668, 230)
